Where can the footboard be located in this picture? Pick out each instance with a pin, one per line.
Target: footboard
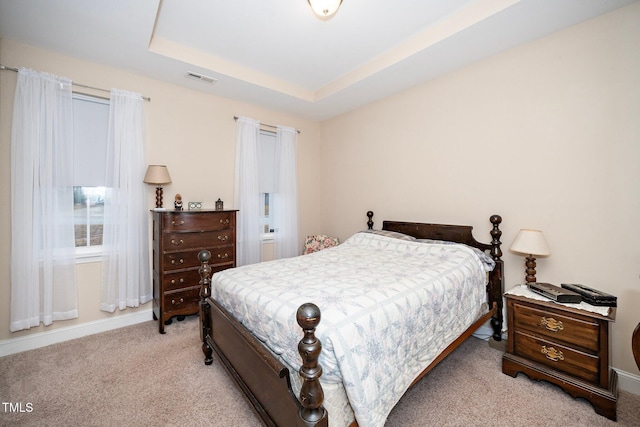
(263, 378)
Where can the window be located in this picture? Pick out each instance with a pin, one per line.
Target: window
(88, 207)
(267, 171)
(90, 127)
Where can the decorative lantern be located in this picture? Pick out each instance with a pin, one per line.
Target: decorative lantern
(219, 205)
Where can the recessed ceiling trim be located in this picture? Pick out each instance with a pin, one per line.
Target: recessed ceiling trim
(194, 57)
(459, 21)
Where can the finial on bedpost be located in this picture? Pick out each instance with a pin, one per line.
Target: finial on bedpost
(496, 252)
(309, 347)
(370, 222)
(205, 273)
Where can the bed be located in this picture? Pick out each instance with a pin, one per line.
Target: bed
(360, 322)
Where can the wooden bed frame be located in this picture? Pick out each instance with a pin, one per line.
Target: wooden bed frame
(265, 380)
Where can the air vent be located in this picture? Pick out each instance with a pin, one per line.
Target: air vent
(200, 77)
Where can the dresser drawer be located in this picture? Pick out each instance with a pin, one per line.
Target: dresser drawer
(222, 255)
(558, 327)
(180, 260)
(558, 356)
(184, 302)
(177, 241)
(197, 221)
(189, 259)
(180, 279)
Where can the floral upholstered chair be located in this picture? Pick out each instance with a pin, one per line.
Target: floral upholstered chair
(318, 242)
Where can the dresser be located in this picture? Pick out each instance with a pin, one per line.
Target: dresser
(178, 236)
(564, 346)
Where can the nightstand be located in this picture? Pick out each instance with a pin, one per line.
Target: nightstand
(563, 345)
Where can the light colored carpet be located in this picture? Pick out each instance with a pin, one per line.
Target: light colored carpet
(136, 377)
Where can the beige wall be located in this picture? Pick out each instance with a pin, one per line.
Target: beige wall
(193, 133)
(546, 135)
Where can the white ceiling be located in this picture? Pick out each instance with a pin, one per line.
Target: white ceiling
(277, 53)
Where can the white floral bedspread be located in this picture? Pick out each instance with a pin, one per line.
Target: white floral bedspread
(389, 307)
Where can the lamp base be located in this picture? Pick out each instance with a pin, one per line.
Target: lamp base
(530, 264)
(158, 197)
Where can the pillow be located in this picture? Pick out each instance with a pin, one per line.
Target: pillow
(392, 234)
(481, 254)
(319, 242)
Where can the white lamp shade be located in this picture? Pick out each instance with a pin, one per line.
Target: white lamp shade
(324, 8)
(157, 174)
(530, 242)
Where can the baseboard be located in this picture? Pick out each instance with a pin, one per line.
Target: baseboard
(628, 382)
(41, 339)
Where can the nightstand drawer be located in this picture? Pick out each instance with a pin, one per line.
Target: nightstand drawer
(558, 327)
(562, 358)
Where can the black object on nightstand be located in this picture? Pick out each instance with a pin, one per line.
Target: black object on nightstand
(565, 346)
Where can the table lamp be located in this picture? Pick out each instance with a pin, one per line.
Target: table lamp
(530, 243)
(158, 175)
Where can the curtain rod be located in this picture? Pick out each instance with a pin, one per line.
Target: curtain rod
(4, 67)
(264, 124)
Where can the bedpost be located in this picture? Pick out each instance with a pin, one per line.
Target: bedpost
(309, 347)
(370, 222)
(497, 276)
(205, 291)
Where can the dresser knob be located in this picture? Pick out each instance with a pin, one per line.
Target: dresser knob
(177, 223)
(173, 281)
(223, 256)
(223, 238)
(551, 324)
(177, 243)
(180, 301)
(224, 221)
(180, 261)
(551, 353)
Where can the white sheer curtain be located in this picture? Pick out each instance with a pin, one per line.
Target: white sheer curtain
(126, 280)
(247, 192)
(43, 271)
(285, 221)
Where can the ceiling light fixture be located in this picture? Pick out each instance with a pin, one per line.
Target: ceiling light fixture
(324, 8)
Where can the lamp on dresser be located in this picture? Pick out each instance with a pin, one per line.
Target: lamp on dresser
(158, 175)
(532, 244)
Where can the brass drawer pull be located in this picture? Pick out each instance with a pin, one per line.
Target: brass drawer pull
(177, 223)
(224, 221)
(178, 243)
(173, 281)
(551, 324)
(181, 261)
(551, 353)
(225, 256)
(180, 301)
(223, 238)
